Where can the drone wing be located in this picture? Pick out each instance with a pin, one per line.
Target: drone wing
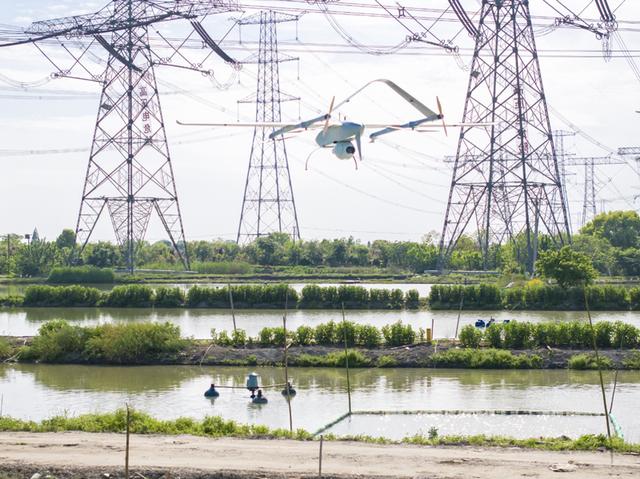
(421, 107)
(237, 124)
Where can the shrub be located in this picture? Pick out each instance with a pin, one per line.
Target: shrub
(223, 267)
(81, 274)
(517, 335)
(325, 334)
(632, 361)
(169, 297)
(625, 335)
(12, 301)
(588, 361)
(470, 336)
(387, 362)
(485, 359)
(5, 348)
(412, 299)
(368, 336)
(346, 330)
(130, 296)
(398, 334)
(304, 335)
(134, 342)
(57, 341)
(53, 296)
(356, 360)
(493, 335)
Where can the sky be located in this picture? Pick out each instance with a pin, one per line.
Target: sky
(399, 192)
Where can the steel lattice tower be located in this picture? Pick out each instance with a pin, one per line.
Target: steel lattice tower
(506, 180)
(268, 205)
(130, 172)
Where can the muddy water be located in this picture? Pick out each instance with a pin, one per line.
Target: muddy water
(199, 322)
(39, 391)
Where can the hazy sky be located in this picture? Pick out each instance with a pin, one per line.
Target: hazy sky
(401, 189)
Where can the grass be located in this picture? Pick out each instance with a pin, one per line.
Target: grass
(588, 361)
(485, 359)
(215, 426)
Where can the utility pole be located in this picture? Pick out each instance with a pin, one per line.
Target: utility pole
(506, 180)
(268, 203)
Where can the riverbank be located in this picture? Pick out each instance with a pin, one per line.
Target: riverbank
(71, 455)
(439, 354)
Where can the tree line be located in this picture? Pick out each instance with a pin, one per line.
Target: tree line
(611, 241)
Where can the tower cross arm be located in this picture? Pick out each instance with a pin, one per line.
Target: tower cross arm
(113, 17)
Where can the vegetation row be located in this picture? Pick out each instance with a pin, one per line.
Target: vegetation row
(571, 334)
(327, 334)
(243, 296)
(215, 426)
(535, 295)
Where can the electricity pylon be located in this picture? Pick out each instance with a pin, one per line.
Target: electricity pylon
(506, 180)
(268, 203)
(130, 174)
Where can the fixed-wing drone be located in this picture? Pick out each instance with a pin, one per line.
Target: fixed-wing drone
(341, 136)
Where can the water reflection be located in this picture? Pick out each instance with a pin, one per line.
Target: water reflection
(198, 322)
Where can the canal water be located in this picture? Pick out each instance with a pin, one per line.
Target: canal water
(198, 323)
(40, 391)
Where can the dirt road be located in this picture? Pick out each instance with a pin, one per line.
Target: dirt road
(188, 456)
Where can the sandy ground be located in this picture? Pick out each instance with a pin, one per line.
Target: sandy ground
(191, 457)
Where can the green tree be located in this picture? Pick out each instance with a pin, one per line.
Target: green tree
(602, 254)
(102, 254)
(36, 258)
(67, 239)
(621, 228)
(567, 267)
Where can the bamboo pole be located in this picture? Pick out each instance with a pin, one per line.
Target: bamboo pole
(346, 356)
(126, 450)
(286, 360)
(233, 313)
(595, 350)
(320, 457)
(459, 312)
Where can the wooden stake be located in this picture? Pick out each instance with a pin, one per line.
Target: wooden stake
(346, 356)
(595, 350)
(233, 313)
(126, 450)
(286, 361)
(320, 457)
(459, 312)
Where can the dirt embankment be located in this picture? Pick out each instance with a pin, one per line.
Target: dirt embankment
(414, 356)
(72, 455)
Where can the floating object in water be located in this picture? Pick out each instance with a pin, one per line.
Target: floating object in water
(506, 321)
(490, 322)
(211, 392)
(290, 392)
(259, 399)
(480, 323)
(252, 384)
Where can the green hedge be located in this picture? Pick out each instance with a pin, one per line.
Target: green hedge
(534, 297)
(326, 334)
(136, 343)
(81, 274)
(571, 334)
(262, 296)
(356, 297)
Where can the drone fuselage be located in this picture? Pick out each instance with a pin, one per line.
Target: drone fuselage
(333, 134)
